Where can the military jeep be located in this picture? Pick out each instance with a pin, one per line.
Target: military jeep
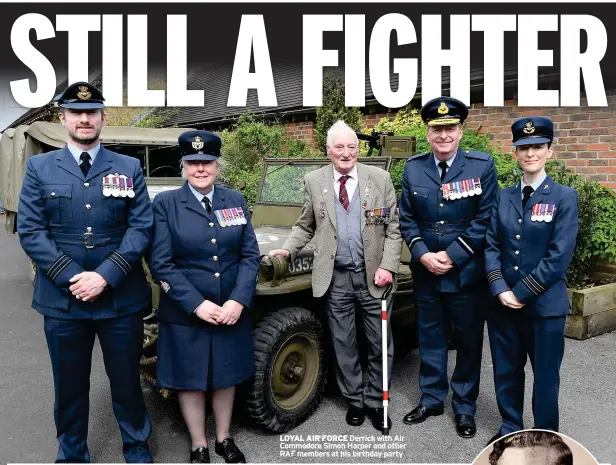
(292, 348)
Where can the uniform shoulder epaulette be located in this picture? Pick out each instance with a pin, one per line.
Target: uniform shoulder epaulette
(477, 155)
(419, 155)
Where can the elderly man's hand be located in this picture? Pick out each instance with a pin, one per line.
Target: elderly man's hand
(87, 285)
(283, 252)
(433, 264)
(383, 277)
(209, 311)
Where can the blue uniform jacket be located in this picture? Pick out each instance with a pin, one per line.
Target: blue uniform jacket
(529, 257)
(57, 205)
(430, 223)
(196, 259)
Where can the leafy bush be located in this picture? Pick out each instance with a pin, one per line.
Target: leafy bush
(333, 109)
(245, 146)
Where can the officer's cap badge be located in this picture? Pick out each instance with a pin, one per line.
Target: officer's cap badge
(529, 127)
(84, 93)
(198, 143)
(443, 109)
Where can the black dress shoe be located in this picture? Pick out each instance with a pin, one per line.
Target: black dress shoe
(376, 414)
(419, 415)
(355, 415)
(229, 451)
(494, 438)
(200, 455)
(465, 426)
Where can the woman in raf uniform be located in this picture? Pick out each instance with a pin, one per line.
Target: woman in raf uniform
(530, 243)
(206, 258)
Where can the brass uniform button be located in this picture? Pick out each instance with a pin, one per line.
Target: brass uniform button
(53, 194)
(515, 268)
(217, 275)
(441, 205)
(517, 237)
(88, 206)
(215, 258)
(520, 220)
(86, 184)
(213, 241)
(211, 225)
(517, 252)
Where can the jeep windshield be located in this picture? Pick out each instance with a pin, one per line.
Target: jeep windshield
(282, 182)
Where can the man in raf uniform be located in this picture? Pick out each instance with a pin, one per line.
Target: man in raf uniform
(445, 205)
(530, 243)
(85, 219)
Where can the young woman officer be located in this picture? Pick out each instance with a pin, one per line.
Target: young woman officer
(530, 243)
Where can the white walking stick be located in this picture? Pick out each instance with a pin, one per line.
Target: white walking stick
(384, 355)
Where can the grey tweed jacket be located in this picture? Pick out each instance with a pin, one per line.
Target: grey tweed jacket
(382, 243)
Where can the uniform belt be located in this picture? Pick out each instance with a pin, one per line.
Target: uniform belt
(88, 239)
(444, 227)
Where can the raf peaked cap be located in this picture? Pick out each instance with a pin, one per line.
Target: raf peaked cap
(532, 130)
(199, 146)
(444, 110)
(80, 95)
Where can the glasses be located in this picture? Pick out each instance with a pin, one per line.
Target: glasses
(339, 148)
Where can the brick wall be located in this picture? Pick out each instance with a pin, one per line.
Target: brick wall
(372, 120)
(585, 137)
(302, 130)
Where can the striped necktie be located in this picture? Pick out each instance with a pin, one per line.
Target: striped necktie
(343, 196)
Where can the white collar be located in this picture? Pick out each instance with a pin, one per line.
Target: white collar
(352, 174)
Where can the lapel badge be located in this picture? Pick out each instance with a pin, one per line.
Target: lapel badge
(322, 210)
(165, 286)
(529, 127)
(545, 187)
(443, 109)
(84, 93)
(198, 143)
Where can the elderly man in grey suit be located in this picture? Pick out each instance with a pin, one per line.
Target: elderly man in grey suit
(351, 209)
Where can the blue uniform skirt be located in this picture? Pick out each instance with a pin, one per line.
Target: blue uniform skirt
(203, 357)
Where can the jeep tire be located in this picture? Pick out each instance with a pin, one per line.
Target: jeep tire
(291, 370)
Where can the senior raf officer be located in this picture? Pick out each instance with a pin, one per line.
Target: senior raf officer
(445, 205)
(530, 244)
(350, 208)
(87, 244)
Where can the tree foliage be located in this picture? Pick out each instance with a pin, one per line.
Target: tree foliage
(333, 109)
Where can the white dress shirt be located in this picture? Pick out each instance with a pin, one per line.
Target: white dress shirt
(351, 183)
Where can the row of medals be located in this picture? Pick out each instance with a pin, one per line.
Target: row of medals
(543, 212)
(378, 216)
(461, 189)
(230, 217)
(118, 185)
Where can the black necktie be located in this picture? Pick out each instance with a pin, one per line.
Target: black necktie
(527, 191)
(208, 205)
(443, 166)
(85, 163)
